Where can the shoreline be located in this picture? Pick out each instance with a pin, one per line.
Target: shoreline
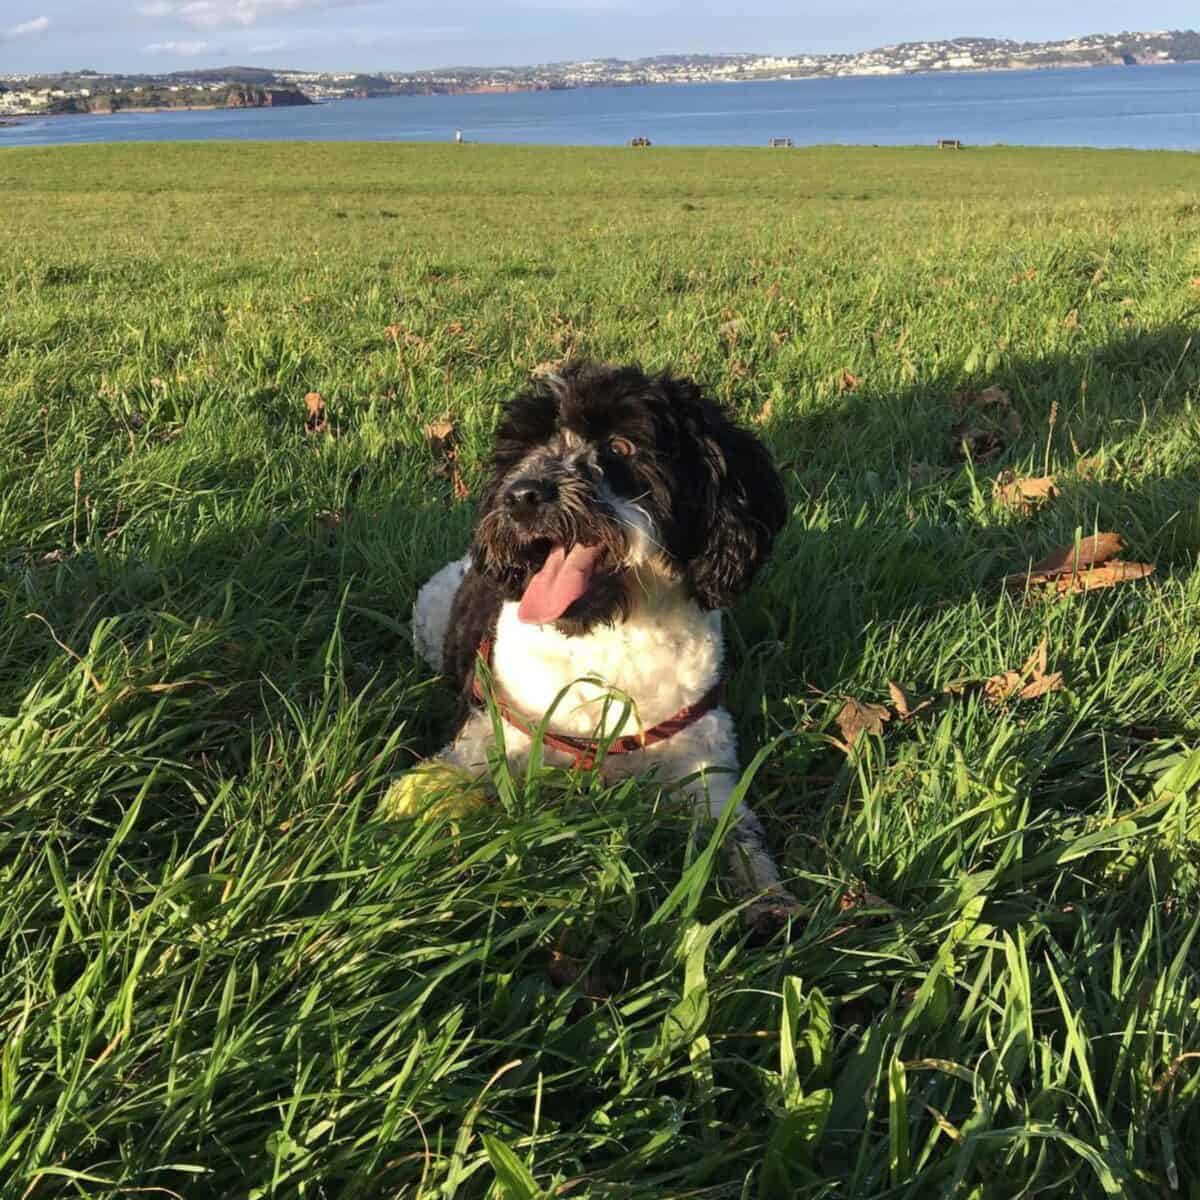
(518, 90)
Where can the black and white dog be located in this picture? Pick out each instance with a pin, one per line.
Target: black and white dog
(622, 512)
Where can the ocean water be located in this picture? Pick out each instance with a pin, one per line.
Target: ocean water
(1140, 107)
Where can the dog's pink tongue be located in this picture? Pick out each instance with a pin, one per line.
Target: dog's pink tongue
(557, 586)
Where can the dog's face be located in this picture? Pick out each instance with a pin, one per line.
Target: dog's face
(601, 473)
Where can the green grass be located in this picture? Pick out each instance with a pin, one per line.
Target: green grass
(220, 976)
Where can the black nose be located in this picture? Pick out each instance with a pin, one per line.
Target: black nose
(524, 497)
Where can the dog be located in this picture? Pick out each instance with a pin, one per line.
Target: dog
(622, 512)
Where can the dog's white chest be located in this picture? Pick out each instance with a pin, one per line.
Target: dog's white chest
(665, 656)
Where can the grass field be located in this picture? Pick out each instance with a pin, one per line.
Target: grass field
(221, 976)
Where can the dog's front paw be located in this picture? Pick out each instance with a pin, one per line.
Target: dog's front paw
(771, 912)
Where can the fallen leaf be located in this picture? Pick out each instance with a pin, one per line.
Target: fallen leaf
(780, 336)
(317, 419)
(1042, 685)
(899, 700)
(1000, 688)
(730, 331)
(1091, 551)
(1106, 576)
(456, 328)
(1032, 680)
(763, 416)
(857, 718)
(1025, 494)
(1071, 320)
(395, 332)
(848, 381)
(461, 491)
(441, 435)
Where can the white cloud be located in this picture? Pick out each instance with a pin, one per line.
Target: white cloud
(222, 14)
(33, 28)
(183, 49)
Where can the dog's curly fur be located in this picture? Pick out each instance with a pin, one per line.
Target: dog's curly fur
(682, 505)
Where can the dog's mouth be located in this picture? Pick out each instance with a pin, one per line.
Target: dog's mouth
(564, 579)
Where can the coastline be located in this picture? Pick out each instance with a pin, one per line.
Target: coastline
(518, 89)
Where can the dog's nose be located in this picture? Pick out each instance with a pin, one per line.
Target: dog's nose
(524, 497)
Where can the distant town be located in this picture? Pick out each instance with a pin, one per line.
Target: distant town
(87, 91)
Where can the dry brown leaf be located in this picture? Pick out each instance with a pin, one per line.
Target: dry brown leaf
(848, 381)
(1071, 320)
(1090, 468)
(461, 491)
(763, 416)
(1042, 685)
(1106, 576)
(1002, 687)
(905, 709)
(1090, 566)
(1090, 552)
(1025, 494)
(857, 718)
(899, 700)
(395, 332)
(1032, 680)
(441, 435)
(456, 329)
(780, 336)
(549, 367)
(316, 420)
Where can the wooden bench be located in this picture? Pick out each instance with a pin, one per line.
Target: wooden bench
(949, 144)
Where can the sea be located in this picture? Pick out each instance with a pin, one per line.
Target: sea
(1144, 107)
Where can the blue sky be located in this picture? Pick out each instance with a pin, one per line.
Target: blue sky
(406, 34)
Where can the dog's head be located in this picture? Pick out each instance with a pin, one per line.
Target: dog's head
(600, 474)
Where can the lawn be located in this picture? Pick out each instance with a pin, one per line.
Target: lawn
(222, 975)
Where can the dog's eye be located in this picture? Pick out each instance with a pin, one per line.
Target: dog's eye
(622, 447)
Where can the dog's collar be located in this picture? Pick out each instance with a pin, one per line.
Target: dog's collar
(586, 752)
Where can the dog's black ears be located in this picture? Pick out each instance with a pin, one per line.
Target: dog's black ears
(740, 506)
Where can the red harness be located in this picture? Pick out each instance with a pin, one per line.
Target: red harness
(586, 752)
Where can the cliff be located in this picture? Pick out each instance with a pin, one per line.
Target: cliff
(258, 97)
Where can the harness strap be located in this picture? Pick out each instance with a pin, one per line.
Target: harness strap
(586, 752)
